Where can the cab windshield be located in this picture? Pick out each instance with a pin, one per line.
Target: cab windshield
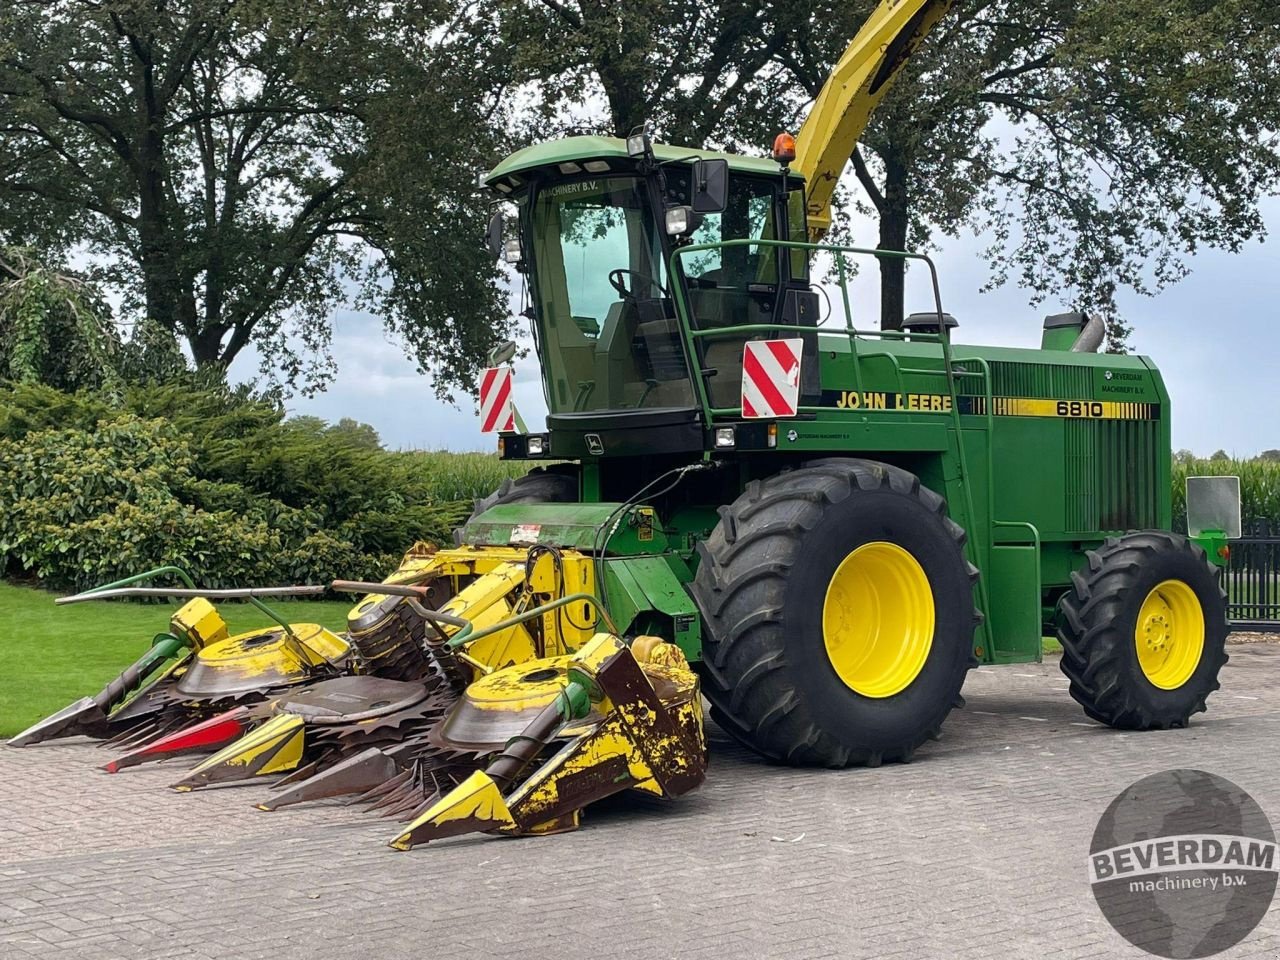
(607, 330)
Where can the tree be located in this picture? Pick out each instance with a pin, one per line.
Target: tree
(695, 75)
(1091, 142)
(55, 328)
(1269, 456)
(1218, 456)
(239, 168)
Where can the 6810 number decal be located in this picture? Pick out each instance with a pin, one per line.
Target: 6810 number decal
(1081, 408)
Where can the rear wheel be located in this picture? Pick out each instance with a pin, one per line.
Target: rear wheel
(557, 483)
(838, 614)
(1144, 631)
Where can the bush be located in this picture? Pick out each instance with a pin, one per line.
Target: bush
(216, 481)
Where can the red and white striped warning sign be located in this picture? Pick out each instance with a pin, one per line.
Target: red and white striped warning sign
(496, 410)
(771, 378)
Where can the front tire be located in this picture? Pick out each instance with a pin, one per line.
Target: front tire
(1144, 631)
(838, 614)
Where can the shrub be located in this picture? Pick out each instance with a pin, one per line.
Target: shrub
(214, 480)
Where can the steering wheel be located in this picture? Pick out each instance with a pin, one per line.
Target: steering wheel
(616, 278)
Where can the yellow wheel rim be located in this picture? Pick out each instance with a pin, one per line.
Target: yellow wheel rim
(1169, 634)
(877, 619)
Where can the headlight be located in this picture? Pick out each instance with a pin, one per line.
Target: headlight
(724, 437)
(511, 251)
(638, 144)
(537, 446)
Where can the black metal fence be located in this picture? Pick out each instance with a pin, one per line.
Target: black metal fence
(1253, 578)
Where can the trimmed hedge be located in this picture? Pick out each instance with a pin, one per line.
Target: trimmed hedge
(94, 488)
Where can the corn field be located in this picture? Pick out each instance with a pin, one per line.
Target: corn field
(1259, 486)
(464, 476)
(467, 476)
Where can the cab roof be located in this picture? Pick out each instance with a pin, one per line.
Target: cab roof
(612, 149)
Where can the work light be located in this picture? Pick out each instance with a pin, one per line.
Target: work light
(682, 221)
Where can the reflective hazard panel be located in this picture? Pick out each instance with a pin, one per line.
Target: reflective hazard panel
(771, 378)
(496, 410)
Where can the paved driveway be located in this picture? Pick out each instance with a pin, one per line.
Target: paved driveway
(977, 849)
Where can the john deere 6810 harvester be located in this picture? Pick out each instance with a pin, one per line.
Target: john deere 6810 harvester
(830, 525)
(928, 507)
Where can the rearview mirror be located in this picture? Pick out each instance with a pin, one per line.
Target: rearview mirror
(710, 193)
(502, 353)
(493, 235)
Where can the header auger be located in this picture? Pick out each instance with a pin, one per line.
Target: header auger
(821, 528)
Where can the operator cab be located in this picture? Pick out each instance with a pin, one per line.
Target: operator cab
(598, 225)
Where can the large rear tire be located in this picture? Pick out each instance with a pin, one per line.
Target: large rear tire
(838, 614)
(557, 483)
(1143, 631)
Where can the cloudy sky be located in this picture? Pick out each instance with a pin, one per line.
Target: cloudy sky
(1215, 336)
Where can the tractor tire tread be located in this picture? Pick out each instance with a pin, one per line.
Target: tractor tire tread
(739, 587)
(1095, 635)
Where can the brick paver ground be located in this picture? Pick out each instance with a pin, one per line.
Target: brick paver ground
(975, 850)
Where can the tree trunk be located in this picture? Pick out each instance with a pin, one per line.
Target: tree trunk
(894, 218)
(167, 288)
(626, 102)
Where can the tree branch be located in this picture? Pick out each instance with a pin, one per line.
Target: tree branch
(868, 181)
(1009, 73)
(569, 16)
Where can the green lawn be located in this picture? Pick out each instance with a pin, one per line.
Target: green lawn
(50, 656)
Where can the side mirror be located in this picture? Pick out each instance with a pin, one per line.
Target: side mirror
(502, 353)
(710, 193)
(493, 235)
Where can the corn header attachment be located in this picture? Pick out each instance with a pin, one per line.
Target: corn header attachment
(508, 710)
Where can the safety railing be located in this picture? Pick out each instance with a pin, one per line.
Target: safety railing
(862, 346)
(861, 340)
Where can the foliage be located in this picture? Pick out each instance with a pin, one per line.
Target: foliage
(238, 169)
(693, 75)
(54, 327)
(1259, 486)
(1091, 142)
(97, 487)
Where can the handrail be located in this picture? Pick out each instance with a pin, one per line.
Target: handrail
(690, 335)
